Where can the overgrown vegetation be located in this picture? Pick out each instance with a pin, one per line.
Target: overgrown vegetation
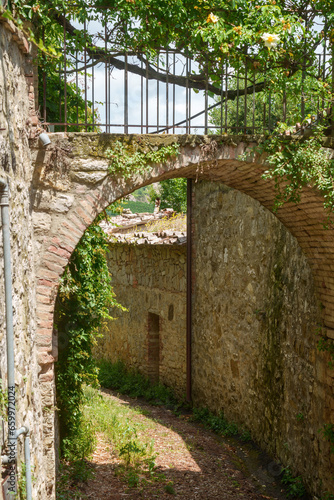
(177, 222)
(84, 299)
(3, 401)
(294, 485)
(135, 162)
(219, 423)
(328, 433)
(113, 420)
(326, 344)
(296, 163)
(173, 194)
(117, 377)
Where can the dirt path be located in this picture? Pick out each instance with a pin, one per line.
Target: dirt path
(192, 463)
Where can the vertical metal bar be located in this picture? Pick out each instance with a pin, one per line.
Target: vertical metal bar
(109, 97)
(221, 100)
(60, 93)
(189, 100)
(269, 111)
(141, 100)
(77, 89)
(253, 118)
(302, 104)
(27, 466)
(187, 97)
(85, 73)
(331, 105)
(238, 94)
(158, 95)
(324, 73)
(126, 90)
(44, 84)
(167, 91)
(189, 289)
(226, 95)
(264, 103)
(11, 410)
(93, 99)
(174, 64)
(146, 96)
(206, 97)
(245, 96)
(106, 74)
(65, 76)
(44, 96)
(284, 104)
(319, 76)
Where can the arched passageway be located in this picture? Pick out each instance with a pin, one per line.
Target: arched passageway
(72, 186)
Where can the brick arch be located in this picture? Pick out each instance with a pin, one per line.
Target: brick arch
(72, 186)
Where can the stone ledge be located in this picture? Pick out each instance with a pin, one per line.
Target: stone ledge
(18, 36)
(125, 229)
(156, 238)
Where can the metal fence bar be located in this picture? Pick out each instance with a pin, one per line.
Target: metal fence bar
(158, 96)
(167, 89)
(60, 95)
(187, 97)
(238, 95)
(65, 74)
(206, 97)
(239, 110)
(126, 90)
(77, 86)
(221, 99)
(141, 100)
(245, 96)
(93, 99)
(146, 96)
(226, 93)
(85, 62)
(174, 64)
(254, 105)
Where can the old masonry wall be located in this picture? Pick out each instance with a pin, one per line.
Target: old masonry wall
(17, 116)
(255, 317)
(150, 281)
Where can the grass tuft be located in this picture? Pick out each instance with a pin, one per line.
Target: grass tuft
(117, 377)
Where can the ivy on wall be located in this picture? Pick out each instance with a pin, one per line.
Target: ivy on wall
(83, 303)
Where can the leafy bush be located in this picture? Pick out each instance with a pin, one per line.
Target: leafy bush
(116, 376)
(217, 423)
(83, 303)
(173, 194)
(178, 222)
(295, 486)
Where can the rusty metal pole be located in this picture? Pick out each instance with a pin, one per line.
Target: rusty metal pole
(189, 289)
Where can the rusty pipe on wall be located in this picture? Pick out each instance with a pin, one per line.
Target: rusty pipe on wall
(13, 433)
(189, 291)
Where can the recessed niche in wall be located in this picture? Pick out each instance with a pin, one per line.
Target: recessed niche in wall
(153, 322)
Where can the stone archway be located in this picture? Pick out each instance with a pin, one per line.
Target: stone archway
(72, 186)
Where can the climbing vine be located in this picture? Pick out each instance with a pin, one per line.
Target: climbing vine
(326, 344)
(296, 163)
(128, 163)
(83, 303)
(328, 434)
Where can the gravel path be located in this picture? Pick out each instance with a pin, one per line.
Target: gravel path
(194, 462)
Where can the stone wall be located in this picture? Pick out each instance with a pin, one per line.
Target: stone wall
(15, 118)
(255, 317)
(150, 281)
(255, 313)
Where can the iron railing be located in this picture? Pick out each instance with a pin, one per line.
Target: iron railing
(129, 94)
